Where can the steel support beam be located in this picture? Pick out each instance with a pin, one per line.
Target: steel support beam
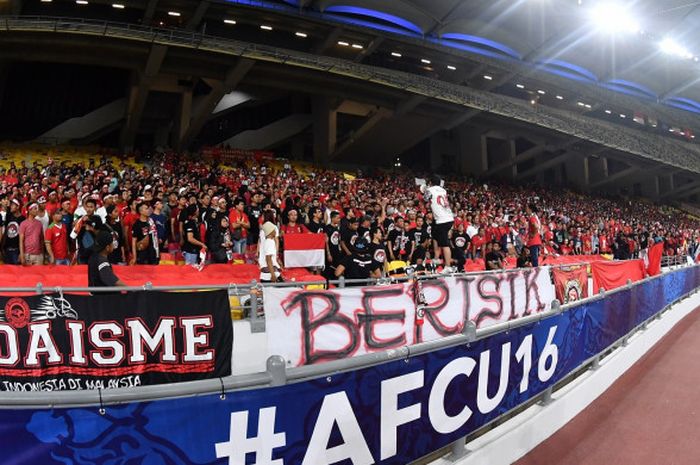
(558, 160)
(149, 12)
(529, 154)
(615, 177)
(328, 42)
(219, 88)
(199, 13)
(138, 94)
(681, 191)
(367, 51)
(404, 107)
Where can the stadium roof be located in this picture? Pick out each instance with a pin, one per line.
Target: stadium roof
(644, 48)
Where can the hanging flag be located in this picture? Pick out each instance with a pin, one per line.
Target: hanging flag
(654, 259)
(303, 250)
(570, 285)
(613, 274)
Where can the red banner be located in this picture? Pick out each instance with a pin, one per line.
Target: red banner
(479, 265)
(570, 285)
(611, 275)
(159, 275)
(654, 259)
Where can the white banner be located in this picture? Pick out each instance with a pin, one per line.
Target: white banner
(314, 326)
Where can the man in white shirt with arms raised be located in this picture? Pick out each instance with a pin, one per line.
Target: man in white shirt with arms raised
(444, 219)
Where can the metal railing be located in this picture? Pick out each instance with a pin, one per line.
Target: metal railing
(277, 373)
(658, 148)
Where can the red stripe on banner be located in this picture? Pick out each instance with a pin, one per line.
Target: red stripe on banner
(304, 241)
(205, 367)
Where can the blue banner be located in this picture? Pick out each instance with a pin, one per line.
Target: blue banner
(387, 414)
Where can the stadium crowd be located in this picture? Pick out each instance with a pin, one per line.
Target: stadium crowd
(51, 213)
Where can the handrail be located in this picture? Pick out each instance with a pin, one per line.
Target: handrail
(267, 378)
(682, 155)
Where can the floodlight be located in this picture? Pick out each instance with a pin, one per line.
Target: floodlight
(613, 18)
(672, 47)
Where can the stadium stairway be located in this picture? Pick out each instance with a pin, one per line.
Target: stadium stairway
(84, 128)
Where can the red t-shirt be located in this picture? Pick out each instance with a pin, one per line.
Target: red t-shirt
(57, 236)
(235, 216)
(534, 237)
(296, 229)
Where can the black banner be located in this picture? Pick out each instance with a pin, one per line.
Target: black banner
(66, 342)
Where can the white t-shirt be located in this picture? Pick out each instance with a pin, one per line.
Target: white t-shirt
(471, 231)
(437, 196)
(267, 247)
(44, 220)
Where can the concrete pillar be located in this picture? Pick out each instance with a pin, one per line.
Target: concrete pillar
(472, 154)
(578, 171)
(182, 121)
(650, 187)
(598, 169)
(665, 183)
(325, 129)
(502, 151)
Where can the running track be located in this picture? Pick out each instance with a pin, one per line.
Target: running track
(651, 415)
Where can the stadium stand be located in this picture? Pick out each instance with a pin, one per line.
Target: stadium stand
(287, 193)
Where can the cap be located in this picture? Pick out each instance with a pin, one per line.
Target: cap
(268, 228)
(41, 199)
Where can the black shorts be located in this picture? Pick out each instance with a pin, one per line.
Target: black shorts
(440, 233)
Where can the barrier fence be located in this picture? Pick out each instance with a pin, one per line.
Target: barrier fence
(385, 407)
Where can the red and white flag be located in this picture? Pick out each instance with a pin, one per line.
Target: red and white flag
(304, 250)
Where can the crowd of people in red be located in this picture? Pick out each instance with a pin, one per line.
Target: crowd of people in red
(51, 213)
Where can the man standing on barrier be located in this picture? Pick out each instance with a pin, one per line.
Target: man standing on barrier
(100, 273)
(436, 195)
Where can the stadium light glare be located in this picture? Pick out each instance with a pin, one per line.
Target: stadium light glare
(608, 112)
(266, 28)
(174, 13)
(118, 6)
(303, 35)
(612, 18)
(396, 54)
(520, 86)
(488, 78)
(230, 21)
(46, 1)
(81, 2)
(423, 60)
(357, 46)
(588, 105)
(541, 92)
(672, 47)
(623, 116)
(533, 101)
(343, 44)
(559, 97)
(581, 104)
(451, 68)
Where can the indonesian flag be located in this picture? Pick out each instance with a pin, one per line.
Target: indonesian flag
(304, 250)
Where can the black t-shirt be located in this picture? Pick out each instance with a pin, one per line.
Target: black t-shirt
(492, 257)
(388, 225)
(333, 234)
(418, 236)
(12, 223)
(399, 242)
(141, 230)
(461, 241)
(191, 226)
(363, 233)
(314, 227)
(349, 236)
(357, 266)
(100, 273)
(379, 256)
(254, 212)
(86, 238)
